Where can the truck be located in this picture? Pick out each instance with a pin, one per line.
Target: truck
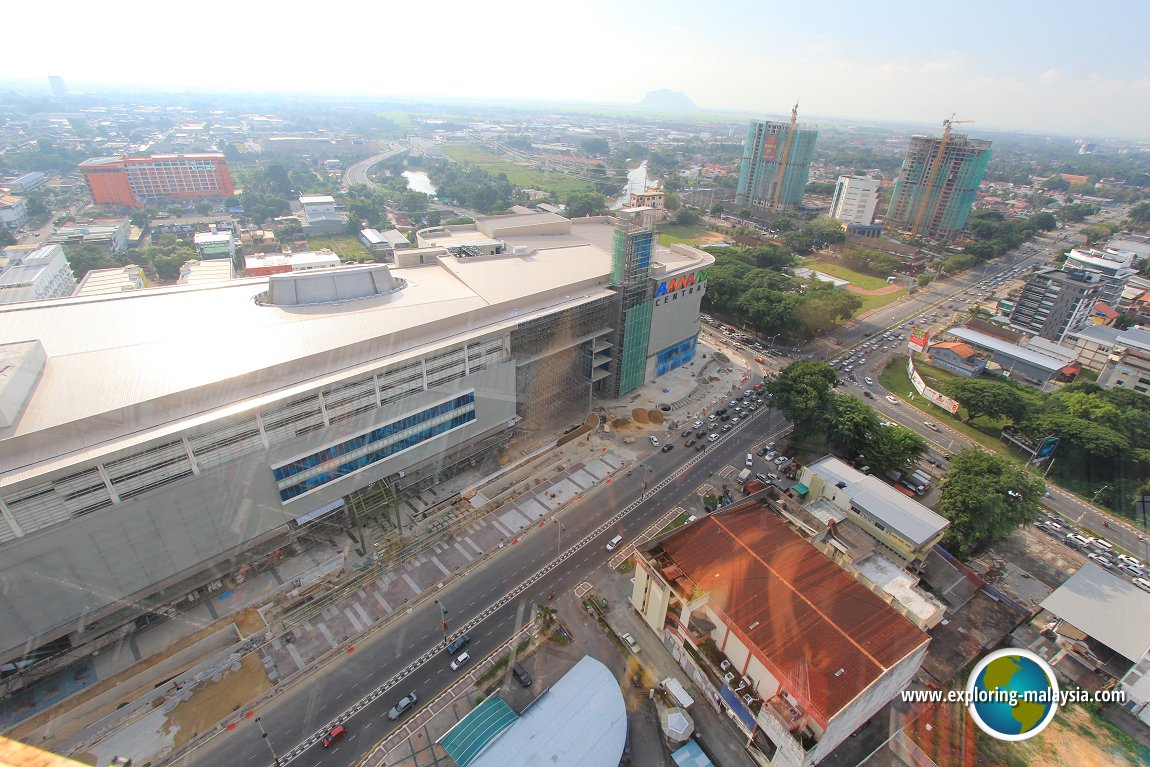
(912, 484)
(744, 475)
(894, 475)
(921, 477)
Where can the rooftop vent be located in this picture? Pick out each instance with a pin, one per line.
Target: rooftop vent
(330, 286)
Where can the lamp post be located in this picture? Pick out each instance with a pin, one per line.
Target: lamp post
(264, 735)
(558, 539)
(1095, 498)
(442, 620)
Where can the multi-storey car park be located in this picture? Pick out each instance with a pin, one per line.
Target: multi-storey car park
(154, 442)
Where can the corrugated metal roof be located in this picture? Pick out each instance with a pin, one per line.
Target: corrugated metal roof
(1007, 349)
(1108, 608)
(823, 631)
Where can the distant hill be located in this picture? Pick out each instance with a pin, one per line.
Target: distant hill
(664, 100)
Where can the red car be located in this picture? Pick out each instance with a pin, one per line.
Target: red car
(334, 734)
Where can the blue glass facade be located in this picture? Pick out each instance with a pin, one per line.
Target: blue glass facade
(674, 356)
(320, 468)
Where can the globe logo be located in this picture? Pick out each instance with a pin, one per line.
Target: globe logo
(1012, 694)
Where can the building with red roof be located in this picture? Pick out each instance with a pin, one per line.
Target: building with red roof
(957, 357)
(797, 650)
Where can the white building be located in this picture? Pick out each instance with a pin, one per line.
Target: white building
(213, 245)
(13, 211)
(1114, 268)
(207, 271)
(855, 199)
(319, 215)
(796, 651)
(43, 273)
(153, 440)
(119, 279)
(277, 263)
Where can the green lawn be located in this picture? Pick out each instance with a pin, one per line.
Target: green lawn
(983, 430)
(520, 175)
(345, 246)
(678, 521)
(858, 279)
(673, 234)
(874, 302)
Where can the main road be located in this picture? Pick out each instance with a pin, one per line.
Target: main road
(385, 658)
(359, 172)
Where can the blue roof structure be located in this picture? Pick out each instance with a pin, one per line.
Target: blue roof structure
(475, 732)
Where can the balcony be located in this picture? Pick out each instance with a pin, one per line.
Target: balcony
(789, 716)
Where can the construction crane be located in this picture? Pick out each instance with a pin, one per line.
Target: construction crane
(932, 171)
(786, 155)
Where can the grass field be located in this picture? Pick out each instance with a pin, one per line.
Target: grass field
(673, 234)
(345, 246)
(874, 302)
(858, 279)
(520, 175)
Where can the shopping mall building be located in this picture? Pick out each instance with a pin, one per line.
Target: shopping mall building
(158, 442)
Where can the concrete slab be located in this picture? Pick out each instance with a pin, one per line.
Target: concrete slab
(582, 479)
(531, 508)
(513, 520)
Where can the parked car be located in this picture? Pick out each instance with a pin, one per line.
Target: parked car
(714, 437)
(700, 446)
(686, 433)
(726, 428)
(771, 455)
(869, 382)
(1142, 583)
(460, 662)
(630, 642)
(402, 705)
(521, 675)
(781, 460)
(689, 443)
(697, 425)
(654, 441)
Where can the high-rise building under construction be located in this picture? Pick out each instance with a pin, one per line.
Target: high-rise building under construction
(937, 184)
(776, 161)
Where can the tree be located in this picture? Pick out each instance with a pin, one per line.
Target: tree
(6, 238)
(1044, 221)
(37, 209)
(802, 391)
(581, 204)
(850, 424)
(1056, 184)
(595, 146)
(890, 447)
(989, 398)
(686, 217)
(717, 209)
(924, 279)
(1140, 213)
(985, 497)
(744, 213)
(290, 229)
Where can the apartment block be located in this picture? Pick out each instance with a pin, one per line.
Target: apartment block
(1056, 302)
(134, 182)
(855, 200)
(775, 166)
(937, 185)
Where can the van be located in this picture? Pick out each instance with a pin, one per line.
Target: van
(611, 544)
(521, 675)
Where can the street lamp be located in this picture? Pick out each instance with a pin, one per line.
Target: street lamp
(264, 735)
(442, 620)
(1095, 498)
(558, 539)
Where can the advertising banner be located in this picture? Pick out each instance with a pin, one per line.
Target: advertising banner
(931, 395)
(918, 340)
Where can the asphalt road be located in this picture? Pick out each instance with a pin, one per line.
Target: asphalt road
(300, 713)
(358, 173)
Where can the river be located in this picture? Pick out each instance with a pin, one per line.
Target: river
(636, 182)
(417, 181)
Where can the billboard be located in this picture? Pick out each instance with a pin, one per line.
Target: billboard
(931, 395)
(1047, 447)
(918, 340)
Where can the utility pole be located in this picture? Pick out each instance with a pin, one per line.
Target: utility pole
(264, 735)
(442, 620)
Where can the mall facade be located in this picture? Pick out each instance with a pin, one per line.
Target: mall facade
(157, 443)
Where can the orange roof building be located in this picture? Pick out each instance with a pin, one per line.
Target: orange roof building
(802, 654)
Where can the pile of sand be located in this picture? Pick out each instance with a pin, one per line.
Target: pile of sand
(655, 417)
(640, 415)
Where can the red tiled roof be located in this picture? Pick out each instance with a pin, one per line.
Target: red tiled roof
(1101, 308)
(963, 350)
(822, 632)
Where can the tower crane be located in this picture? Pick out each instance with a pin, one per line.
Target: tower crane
(785, 157)
(932, 171)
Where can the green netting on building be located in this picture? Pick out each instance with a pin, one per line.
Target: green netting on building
(467, 739)
(633, 361)
(618, 258)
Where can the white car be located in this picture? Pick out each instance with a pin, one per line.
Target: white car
(771, 455)
(460, 662)
(697, 425)
(712, 438)
(869, 382)
(892, 400)
(930, 425)
(630, 641)
(1142, 583)
(781, 460)
(654, 441)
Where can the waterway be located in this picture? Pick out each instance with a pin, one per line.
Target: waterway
(636, 182)
(417, 181)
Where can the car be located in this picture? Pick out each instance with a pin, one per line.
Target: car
(697, 425)
(460, 662)
(849, 368)
(712, 418)
(630, 642)
(769, 446)
(1103, 560)
(1133, 569)
(891, 400)
(771, 454)
(750, 460)
(1104, 545)
(1142, 583)
(732, 403)
(753, 407)
(686, 433)
(402, 705)
(611, 544)
(332, 735)
(760, 360)
(701, 433)
(700, 446)
(930, 425)
(735, 420)
(869, 381)
(748, 393)
(763, 478)
(721, 411)
(773, 477)
(724, 417)
(867, 394)
(458, 644)
(781, 460)
(667, 447)
(762, 451)
(726, 428)
(1129, 559)
(713, 437)
(521, 675)
(654, 441)
(689, 443)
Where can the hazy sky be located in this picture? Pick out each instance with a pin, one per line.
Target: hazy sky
(1057, 67)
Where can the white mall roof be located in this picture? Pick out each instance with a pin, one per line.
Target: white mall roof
(580, 722)
(1007, 349)
(1107, 607)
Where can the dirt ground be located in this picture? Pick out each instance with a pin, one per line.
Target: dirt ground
(1037, 554)
(1073, 739)
(219, 699)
